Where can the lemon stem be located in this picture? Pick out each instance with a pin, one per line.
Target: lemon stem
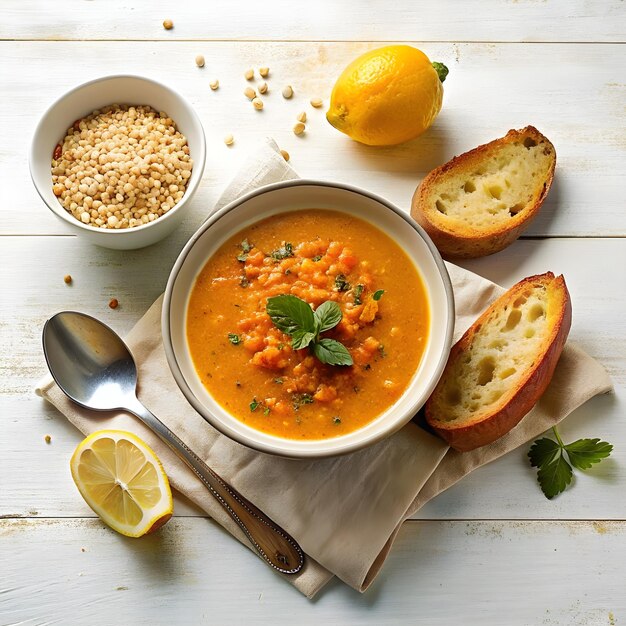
(441, 69)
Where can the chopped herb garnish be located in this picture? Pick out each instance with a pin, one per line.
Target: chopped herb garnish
(295, 317)
(266, 411)
(367, 366)
(280, 346)
(278, 381)
(254, 405)
(244, 282)
(245, 248)
(358, 292)
(284, 252)
(316, 258)
(341, 284)
(378, 294)
(301, 398)
(356, 389)
(336, 420)
(381, 351)
(234, 339)
(287, 272)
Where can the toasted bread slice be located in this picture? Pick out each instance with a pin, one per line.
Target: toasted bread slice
(503, 363)
(481, 201)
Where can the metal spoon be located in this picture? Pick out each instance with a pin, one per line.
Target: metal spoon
(94, 368)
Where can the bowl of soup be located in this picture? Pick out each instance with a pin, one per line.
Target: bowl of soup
(308, 319)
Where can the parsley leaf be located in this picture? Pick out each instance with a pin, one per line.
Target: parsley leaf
(299, 399)
(358, 292)
(554, 477)
(245, 248)
(284, 252)
(332, 352)
(234, 339)
(341, 284)
(254, 405)
(378, 294)
(555, 472)
(290, 314)
(585, 452)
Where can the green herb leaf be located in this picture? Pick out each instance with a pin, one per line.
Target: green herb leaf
(586, 452)
(244, 282)
(555, 473)
(358, 292)
(316, 258)
(543, 451)
(285, 251)
(341, 284)
(266, 411)
(378, 294)
(301, 339)
(290, 314)
(554, 477)
(278, 381)
(332, 352)
(336, 420)
(328, 314)
(245, 248)
(254, 405)
(234, 339)
(299, 399)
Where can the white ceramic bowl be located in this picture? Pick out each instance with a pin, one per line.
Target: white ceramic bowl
(302, 195)
(88, 97)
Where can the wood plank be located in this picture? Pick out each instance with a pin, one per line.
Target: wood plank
(191, 572)
(137, 278)
(478, 20)
(573, 93)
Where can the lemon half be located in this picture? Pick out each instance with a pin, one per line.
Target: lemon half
(123, 481)
(387, 96)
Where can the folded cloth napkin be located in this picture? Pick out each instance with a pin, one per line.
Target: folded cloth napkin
(345, 512)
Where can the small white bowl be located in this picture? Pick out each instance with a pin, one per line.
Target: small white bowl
(80, 102)
(293, 196)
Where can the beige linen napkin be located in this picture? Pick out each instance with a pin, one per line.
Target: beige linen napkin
(345, 512)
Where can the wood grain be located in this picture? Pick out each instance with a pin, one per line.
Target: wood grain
(375, 20)
(191, 572)
(137, 278)
(491, 88)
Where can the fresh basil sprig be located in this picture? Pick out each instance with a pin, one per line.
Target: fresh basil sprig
(554, 472)
(295, 317)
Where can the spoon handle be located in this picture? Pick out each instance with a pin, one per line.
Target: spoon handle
(272, 543)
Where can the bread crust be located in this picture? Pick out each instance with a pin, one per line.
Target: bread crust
(487, 428)
(465, 243)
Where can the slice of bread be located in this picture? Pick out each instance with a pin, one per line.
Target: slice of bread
(503, 363)
(481, 201)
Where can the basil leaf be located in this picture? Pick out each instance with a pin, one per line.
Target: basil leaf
(328, 314)
(332, 352)
(301, 339)
(358, 291)
(290, 314)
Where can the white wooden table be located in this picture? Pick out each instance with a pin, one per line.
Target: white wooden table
(491, 550)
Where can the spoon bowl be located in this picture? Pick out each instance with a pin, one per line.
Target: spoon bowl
(94, 368)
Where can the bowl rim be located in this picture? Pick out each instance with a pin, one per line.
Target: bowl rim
(275, 449)
(189, 191)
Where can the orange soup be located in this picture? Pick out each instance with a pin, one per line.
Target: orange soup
(250, 366)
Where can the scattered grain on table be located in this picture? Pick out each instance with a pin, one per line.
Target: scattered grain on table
(249, 93)
(168, 24)
(200, 61)
(249, 74)
(113, 303)
(299, 128)
(285, 155)
(263, 88)
(264, 72)
(67, 279)
(287, 92)
(214, 84)
(316, 102)
(301, 117)
(229, 139)
(47, 438)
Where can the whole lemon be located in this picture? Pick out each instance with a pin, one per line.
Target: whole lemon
(387, 96)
